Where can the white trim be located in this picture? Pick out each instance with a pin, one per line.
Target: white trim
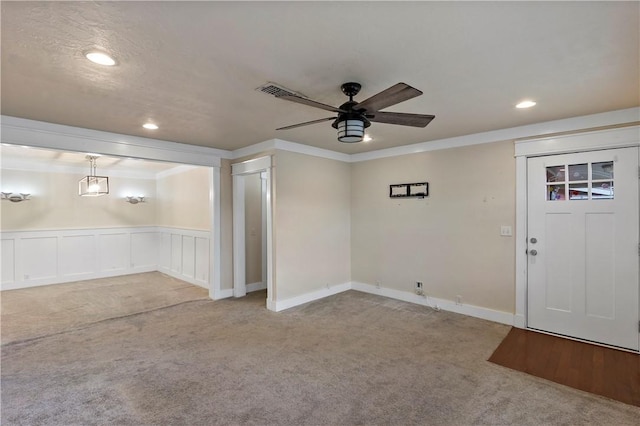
(23, 164)
(447, 305)
(196, 233)
(215, 266)
(255, 165)
(20, 131)
(281, 305)
(260, 165)
(577, 142)
(256, 287)
(283, 145)
(225, 293)
(631, 115)
(239, 261)
(182, 168)
(521, 243)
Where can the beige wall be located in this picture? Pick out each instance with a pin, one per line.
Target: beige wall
(55, 202)
(312, 224)
(451, 240)
(253, 228)
(183, 199)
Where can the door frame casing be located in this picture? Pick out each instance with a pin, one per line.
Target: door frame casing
(239, 171)
(621, 137)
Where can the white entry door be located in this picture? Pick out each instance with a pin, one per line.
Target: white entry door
(583, 252)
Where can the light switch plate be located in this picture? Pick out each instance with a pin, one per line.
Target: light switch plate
(505, 231)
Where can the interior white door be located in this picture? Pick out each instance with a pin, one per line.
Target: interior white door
(583, 251)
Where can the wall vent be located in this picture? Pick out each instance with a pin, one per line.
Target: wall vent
(277, 90)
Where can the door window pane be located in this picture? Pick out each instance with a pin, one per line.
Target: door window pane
(555, 192)
(602, 171)
(602, 191)
(578, 172)
(579, 191)
(555, 174)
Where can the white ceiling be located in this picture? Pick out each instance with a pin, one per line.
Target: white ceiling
(192, 67)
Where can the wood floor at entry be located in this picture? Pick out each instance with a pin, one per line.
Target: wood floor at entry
(591, 368)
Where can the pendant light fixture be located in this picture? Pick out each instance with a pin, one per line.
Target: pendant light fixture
(92, 185)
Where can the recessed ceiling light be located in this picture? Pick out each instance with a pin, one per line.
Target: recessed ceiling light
(367, 138)
(525, 104)
(100, 58)
(150, 126)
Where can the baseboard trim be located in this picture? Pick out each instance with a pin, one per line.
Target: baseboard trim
(447, 305)
(17, 285)
(281, 305)
(519, 321)
(256, 287)
(225, 293)
(181, 277)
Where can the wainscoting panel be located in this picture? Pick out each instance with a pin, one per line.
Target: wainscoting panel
(33, 258)
(176, 253)
(8, 261)
(144, 249)
(39, 258)
(113, 251)
(187, 254)
(202, 260)
(77, 256)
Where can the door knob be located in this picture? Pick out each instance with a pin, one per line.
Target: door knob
(533, 252)
(533, 240)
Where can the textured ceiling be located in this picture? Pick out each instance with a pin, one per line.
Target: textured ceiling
(192, 67)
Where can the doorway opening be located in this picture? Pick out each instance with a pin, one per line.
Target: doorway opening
(252, 228)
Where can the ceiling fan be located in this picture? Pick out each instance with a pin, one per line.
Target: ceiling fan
(354, 117)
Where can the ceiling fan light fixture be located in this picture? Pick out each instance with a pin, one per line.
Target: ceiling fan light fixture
(351, 130)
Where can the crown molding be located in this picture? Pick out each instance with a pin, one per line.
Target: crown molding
(20, 164)
(574, 124)
(21, 131)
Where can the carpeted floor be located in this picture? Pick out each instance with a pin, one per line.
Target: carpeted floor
(349, 359)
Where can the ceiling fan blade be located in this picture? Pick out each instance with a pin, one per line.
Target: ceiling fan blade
(401, 118)
(306, 123)
(309, 102)
(391, 96)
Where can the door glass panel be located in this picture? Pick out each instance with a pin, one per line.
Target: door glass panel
(602, 171)
(555, 192)
(579, 191)
(602, 191)
(555, 174)
(578, 172)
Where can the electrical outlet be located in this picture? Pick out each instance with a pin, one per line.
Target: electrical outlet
(458, 300)
(419, 288)
(327, 286)
(378, 285)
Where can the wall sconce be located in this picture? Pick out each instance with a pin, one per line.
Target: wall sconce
(15, 198)
(134, 200)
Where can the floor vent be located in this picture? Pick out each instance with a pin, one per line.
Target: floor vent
(277, 90)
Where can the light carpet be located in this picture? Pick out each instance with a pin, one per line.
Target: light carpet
(349, 359)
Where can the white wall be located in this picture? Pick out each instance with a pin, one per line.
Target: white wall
(312, 224)
(451, 240)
